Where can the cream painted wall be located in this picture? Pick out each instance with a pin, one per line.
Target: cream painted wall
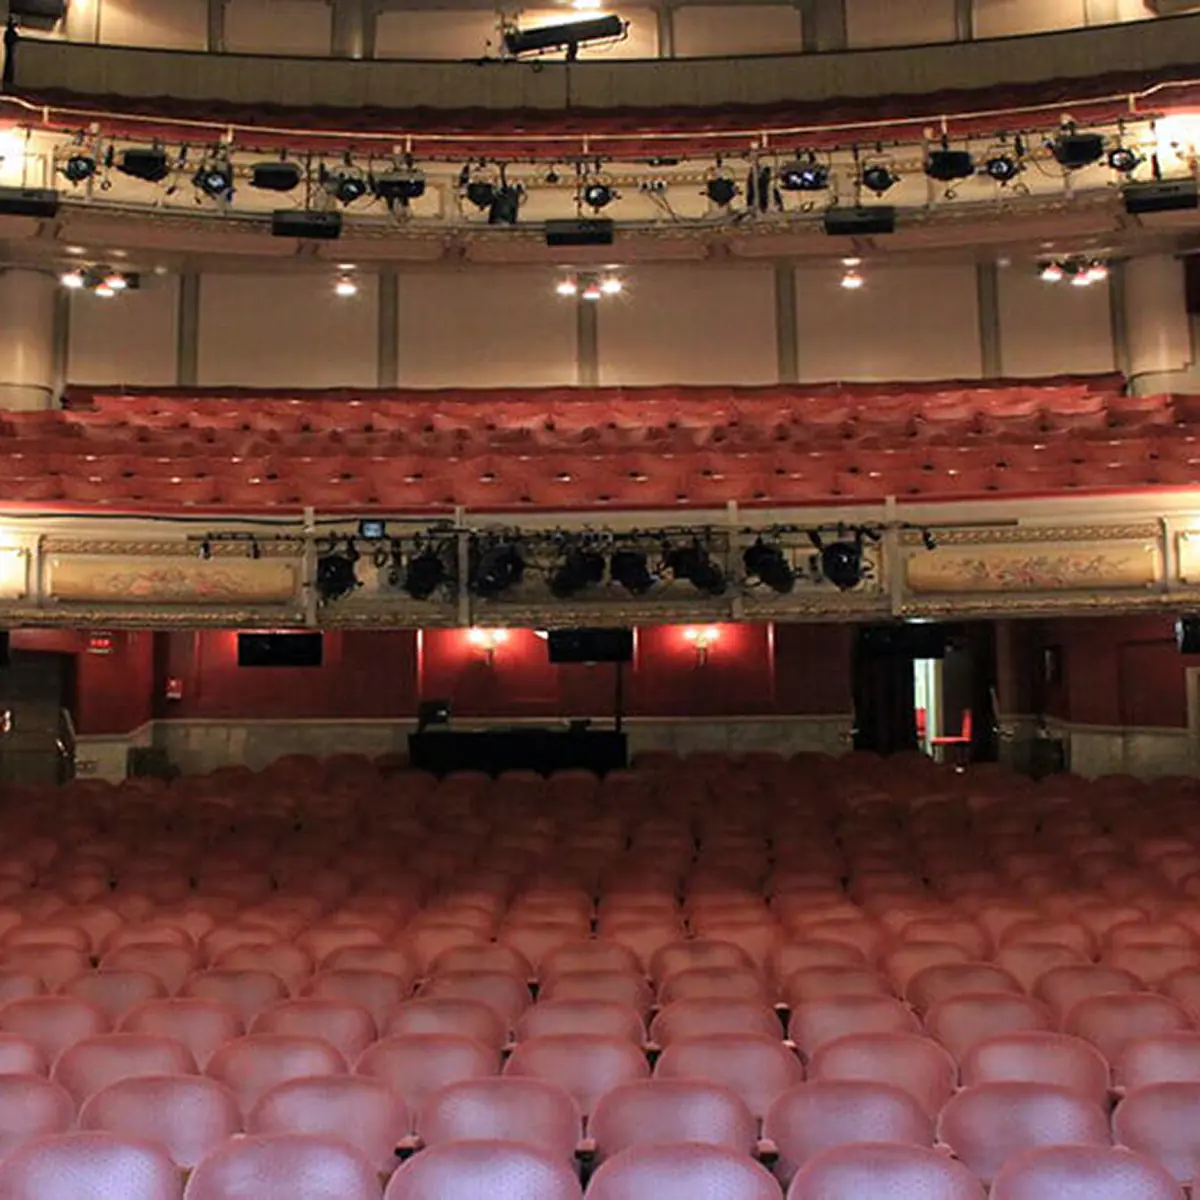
(910, 322)
(167, 24)
(435, 34)
(278, 27)
(702, 30)
(889, 23)
(1003, 18)
(1050, 328)
(287, 331)
(1158, 329)
(485, 327)
(690, 324)
(129, 339)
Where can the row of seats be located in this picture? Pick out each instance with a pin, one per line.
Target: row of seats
(872, 945)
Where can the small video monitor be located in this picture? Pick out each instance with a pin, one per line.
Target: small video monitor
(432, 712)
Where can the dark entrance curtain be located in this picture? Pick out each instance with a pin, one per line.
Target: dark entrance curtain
(884, 711)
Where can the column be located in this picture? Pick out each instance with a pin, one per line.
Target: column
(187, 347)
(988, 292)
(1155, 324)
(822, 24)
(387, 372)
(787, 350)
(27, 338)
(350, 29)
(666, 32)
(587, 343)
(964, 20)
(82, 23)
(1101, 12)
(215, 39)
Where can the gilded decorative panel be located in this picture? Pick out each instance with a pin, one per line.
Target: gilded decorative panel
(14, 573)
(1189, 557)
(104, 579)
(1036, 567)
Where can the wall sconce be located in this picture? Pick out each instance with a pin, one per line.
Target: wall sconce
(703, 638)
(487, 640)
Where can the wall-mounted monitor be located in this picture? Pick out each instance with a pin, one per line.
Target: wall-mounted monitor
(590, 645)
(280, 649)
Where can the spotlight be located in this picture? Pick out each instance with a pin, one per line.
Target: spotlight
(72, 280)
(115, 281)
(215, 180)
(878, 178)
(345, 186)
(694, 564)
(578, 569)
(947, 166)
(345, 286)
(630, 569)
(1003, 168)
(721, 190)
(610, 285)
(1073, 150)
(568, 37)
(336, 576)
(841, 561)
(804, 175)
(769, 565)
(567, 287)
(1097, 272)
(148, 164)
(928, 540)
(1124, 160)
(1051, 272)
(280, 176)
(79, 168)
(480, 192)
(401, 186)
(598, 195)
(496, 568)
(505, 204)
(852, 279)
(424, 573)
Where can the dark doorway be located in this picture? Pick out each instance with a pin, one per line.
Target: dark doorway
(35, 694)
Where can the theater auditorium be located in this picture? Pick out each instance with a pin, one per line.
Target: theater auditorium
(599, 602)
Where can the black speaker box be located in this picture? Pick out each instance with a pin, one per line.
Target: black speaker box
(1187, 635)
(5, 655)
(860, 222)
(28, 202)
(1165, 195)
(580, 233)
(590, 645)
(287, 222)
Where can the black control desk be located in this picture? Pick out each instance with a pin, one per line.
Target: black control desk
(442, 750)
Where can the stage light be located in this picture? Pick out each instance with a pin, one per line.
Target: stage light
(852, 279)
(578, 569)
(345, 286)
(1124, 160)
(841, 561)
(769, 565)
(630, 569)
(1051, 272)
(215, 180)
(568, 37)
(345, 186)
(610, 285)
(721, 190)
(282, 176)
(336, 576)
(401, 186)
(480, 192)
(598, 195)
(948, 166)
(1073, 150)
(115, 281)
(1082, 278)
(567, 287)
(424, 573)
(1097, 272)
(79, 168)
(104, 291)
(879, 178)
(145, 163)
(72, 280)
(592, 292)
(695, 564)
(496, 568)
(505, 205)
(1003, 168)
(804, 175)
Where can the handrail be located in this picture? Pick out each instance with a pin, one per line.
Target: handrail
(779, 95)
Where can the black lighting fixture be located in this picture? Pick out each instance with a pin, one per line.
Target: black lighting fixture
(426, 570)
(506, 204)
(805, 174)
(205, 552)
(1124, 160)
(598, 194)
(1003, 168)
(496, 566)
(579, 568)
(841, 561)
(214, 179)
(569, 36)
(1073, 150)
(694, 563)
(478, 187)
(768, 564)
(346, 184)
(878, 178)
(720, 190)
(928, 540)
(631, 569)
(400, 186)
(948, 166)
(281, 176)
(79, 167)
(148, 163)
(336, 574)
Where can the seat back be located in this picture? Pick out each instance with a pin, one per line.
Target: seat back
(503, 1170)
(284, 1166)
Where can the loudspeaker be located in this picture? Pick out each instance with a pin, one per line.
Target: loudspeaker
(1187, 635)
(859, 222)
(1165, 195)
(582, 232)
(5, 656)
(28, 202)
(288, 222)
(590, 645)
